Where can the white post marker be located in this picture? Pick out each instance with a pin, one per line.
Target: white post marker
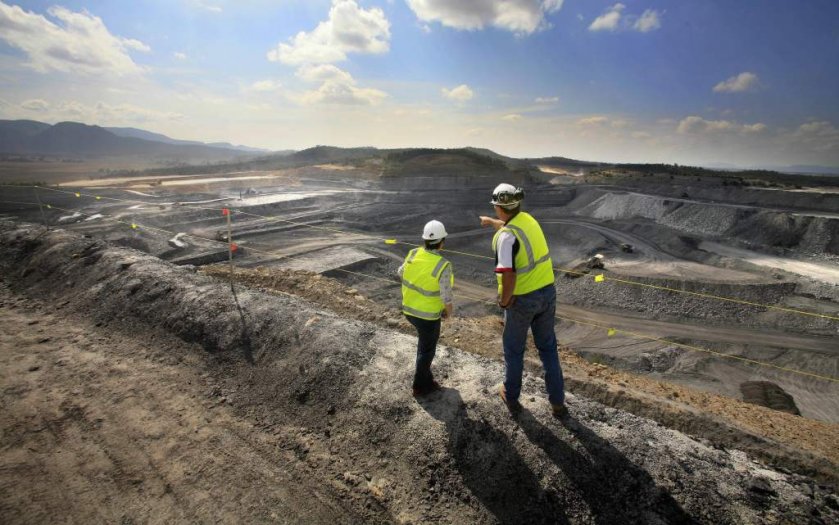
(226, 212)
(41, 206)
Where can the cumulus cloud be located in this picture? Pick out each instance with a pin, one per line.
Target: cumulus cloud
(208, 6)
(79, 42)
(695, 125)
(614, 19)
(755, 128)
(609, 20)
(546, 100)
(461, 93)
(266, 85)
(517, 16)
(322, 73)
(819, 135)
(336, 87)
(648, 21)
(179, 56)
(512, 117)
(737, 84)
(349, 29)
(100, 113)
(37, 105)
(596, 120)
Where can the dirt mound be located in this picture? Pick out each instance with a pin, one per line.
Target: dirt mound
(768, 394)
(672, 405)
(335, 392)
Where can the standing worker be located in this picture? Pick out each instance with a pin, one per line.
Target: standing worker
(427, 282)
(526, 293)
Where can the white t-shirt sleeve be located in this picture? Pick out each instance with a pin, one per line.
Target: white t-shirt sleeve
(504, 248)
(445, 285)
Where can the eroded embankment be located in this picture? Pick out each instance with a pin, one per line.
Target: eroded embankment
(771, 228)
(751, 304)
(454, 457)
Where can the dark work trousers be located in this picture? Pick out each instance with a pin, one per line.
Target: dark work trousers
(428, 332)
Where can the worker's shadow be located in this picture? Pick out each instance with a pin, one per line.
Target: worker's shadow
(491, 467)
(615, 489)
(247, 345)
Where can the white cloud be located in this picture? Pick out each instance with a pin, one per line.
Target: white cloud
(208, 6)
(179, 56)
(266, 85)
(614, 19)
(461, 93)
(609, 20)
(517, 16)
(337, 87)
(37, 105)
(546, 100)
(349, 29)
(696, 125)
(754, 128)
(820, 135)
(322, 73)
(512, 117)
(648, 21)
(596, 120)
(101, 113)
(737, 84)
(81, 43)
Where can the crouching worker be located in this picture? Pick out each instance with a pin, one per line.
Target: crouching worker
(427, 282)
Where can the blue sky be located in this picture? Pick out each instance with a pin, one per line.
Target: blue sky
(751, 82)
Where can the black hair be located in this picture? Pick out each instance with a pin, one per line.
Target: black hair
(434, 245)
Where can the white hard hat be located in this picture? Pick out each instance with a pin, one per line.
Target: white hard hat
(506, 195)
(434, 231)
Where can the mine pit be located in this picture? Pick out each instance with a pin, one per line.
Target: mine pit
(304, 338)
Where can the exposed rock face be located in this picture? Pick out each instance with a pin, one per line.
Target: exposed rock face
(768, 394)
(455, 457)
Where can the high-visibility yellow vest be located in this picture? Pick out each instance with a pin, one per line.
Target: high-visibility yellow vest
(534, 268)
(421, 284)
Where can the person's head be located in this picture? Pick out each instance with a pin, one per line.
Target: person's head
(506, 199)
(434, 234)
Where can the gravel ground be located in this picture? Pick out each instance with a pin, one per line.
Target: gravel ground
(316, 416)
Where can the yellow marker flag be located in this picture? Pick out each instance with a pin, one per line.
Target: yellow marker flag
(78, 194)
(390, 241)
(98, 198)
(611, 332)
(49, 207)
(599, 278)
(133, 226)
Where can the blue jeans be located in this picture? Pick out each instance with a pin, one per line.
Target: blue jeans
(535, 310)
(428, 332)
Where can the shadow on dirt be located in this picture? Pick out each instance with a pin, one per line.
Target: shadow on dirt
(491, 467)
(615, 489)
(247, 345)
(606, 484)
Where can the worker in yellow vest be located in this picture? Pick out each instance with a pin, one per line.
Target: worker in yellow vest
(427, 282)
(526, 292)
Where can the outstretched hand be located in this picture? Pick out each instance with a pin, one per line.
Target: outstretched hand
(489, 221)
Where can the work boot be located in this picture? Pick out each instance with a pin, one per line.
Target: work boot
(424, 391)
(559, 410)
(512, 405)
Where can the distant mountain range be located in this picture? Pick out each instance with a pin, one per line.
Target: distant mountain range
(76, 140)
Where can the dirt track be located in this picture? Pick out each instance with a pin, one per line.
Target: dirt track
(104, 427)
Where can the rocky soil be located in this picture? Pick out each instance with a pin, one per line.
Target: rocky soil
(135, 391)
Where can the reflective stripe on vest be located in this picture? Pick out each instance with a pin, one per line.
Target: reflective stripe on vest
(421, 284)
(534, 269)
